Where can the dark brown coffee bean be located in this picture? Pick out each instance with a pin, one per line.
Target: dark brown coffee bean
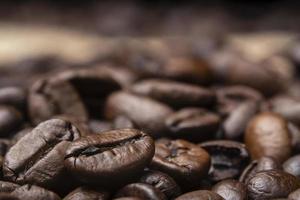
(295, 195)
(193, 124)
(231, 190)
(32, 192)
(267, 134)
(230, 97)
(200, 195)
(48, 97)
(235, 124)
(10, 120)
(262, 164)
(184, 161)
(228, 158)
(117, 154)
(6, 186)
(16, 137)
(37, 158)
(141, 190)
(175, 94)
(135, 107)
(292, 166)
(87, 82)
(271, 184)
(13, 96)
(163, 182)
(83, 193)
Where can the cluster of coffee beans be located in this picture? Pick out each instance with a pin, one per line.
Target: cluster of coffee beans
(152, 125)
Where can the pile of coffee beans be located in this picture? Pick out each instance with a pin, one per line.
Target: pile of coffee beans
(154, 124)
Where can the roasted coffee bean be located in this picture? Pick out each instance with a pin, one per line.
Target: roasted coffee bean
(163, 182)
(97, 126)
(141, 190)
(175, 94)
(295, 195)
(228, 158)
(292, 166)
(193, 124)
(271, 184)
(48, 97)
(10, 120)
(83, 193)
(230, 97)
(262, 164)
(13, 96)
(6, 186)
(117, 155)
(231, 190)
(38, 157)
(87, 82)
(235, 124)
(123, 122)
(135, 107)
(184, 161)
(32, 192)
(200, 195)
(16, 137)
(267, 134)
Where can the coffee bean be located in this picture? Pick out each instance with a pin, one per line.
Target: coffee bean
(83, 193)
(193, 124)
(37, 158)
(16, 137)
(10, 120)
(295, 195)
(228, 158)
(97, 126)
(163, 182)
(271, 184)
(48, 97)
(141, 190)
(267, 134)
(292, 166)
(135, 107)
(231, 190)
(230, 97)
(13, 96)
(175, 94)
(118, 155)
(184, 161)
(6, 186)
(200, 195)
(123, 122)
(235, 124)
(87, 82)
(32, 192)
(7, 196)
(262, 164)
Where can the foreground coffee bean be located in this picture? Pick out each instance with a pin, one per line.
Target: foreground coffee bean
(119, 155)
(135, 107)
(7, 196)
(163, 182)
(141, 190)
(228, 158)
(10, 120)
(37, 158)
(200, 195)
(175, 94)
(83, 193)
(292, 166)
(268, 135)
(32, 192)
(262, 164)
(193, 124)
(6, 186)
(231, 190)
(272, 184)
(184, 161)
(48, 97)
